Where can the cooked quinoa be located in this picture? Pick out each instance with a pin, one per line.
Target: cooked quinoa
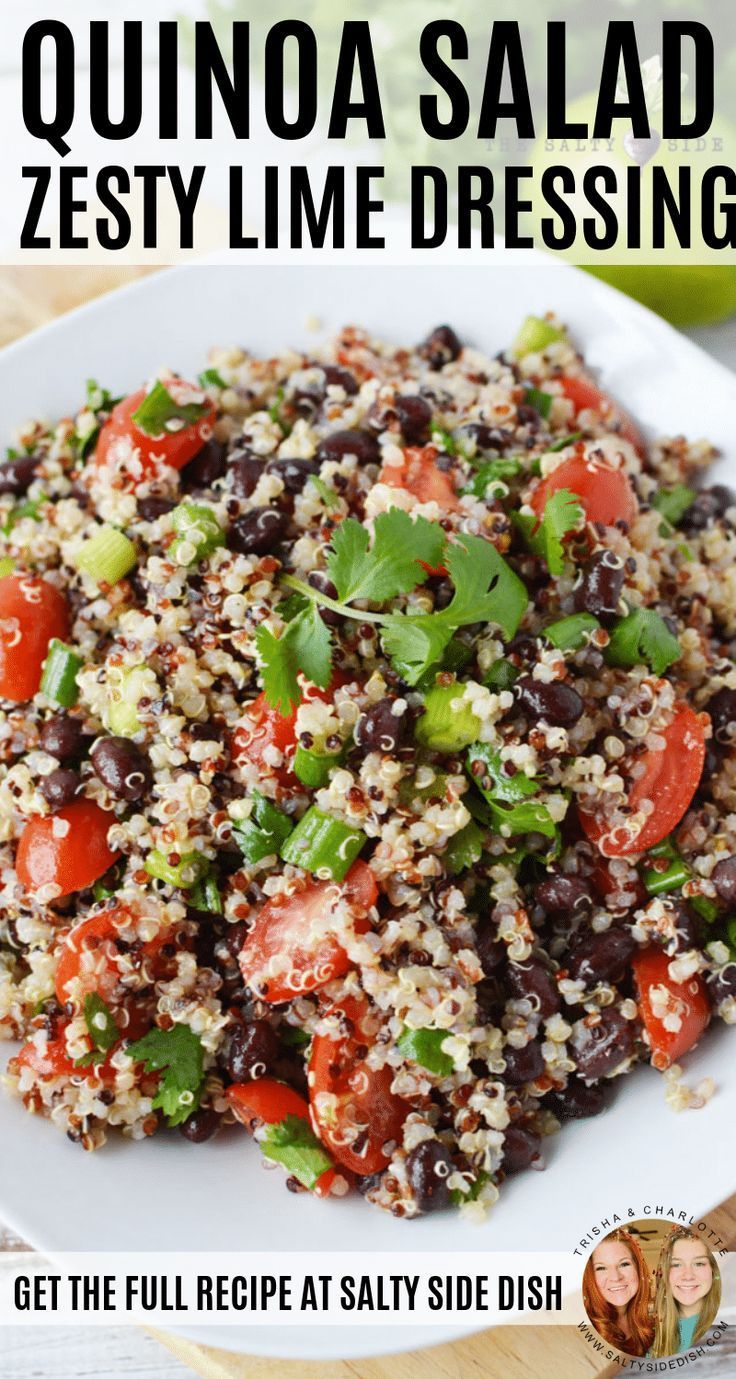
(500, 921)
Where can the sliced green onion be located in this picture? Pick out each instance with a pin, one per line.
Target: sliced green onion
(122, 713)
(329, 497)
(563, 444)
(159, 408)
(262, 834)
(185, 873)
(731, 935)
(501, 675)
(448, 723)
(107, 885)
(107, 556)
(675, 876)
(535, 334)
(445, 439)
(424, 1046)
(28, 509)
(704, 907)
(323, 844)
(313, 768)
(569, 634)
(211, 378)
(59, 679)
(198, 533)
(205, 895)
(493, 472)
(274, 412)
(7, 565)
(541, 402)
(673, 503)
(293, 1037)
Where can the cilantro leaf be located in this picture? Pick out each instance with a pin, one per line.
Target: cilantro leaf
(424, 1046)
(292, 1143)
(211, 378)
(541, 402)
(642, 636)
(464, 849)
(415, 643)
(305, 645)
(274, 412)
(673, 503)
(101, 1027)
(329, 497)
(486, 588)
(511, 810)
(474, 1189)
(563, 514)
(158, 408)
(178, 1053)
(493, 472)
(392, 565)
(262, 834)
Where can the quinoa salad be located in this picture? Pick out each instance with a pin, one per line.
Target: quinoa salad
(366, 760)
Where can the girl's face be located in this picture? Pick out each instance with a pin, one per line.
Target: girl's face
(691, 1275)
(615, 1272)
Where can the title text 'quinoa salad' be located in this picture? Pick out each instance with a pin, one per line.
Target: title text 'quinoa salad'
(366, 760)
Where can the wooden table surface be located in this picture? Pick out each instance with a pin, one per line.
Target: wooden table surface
(28, 298)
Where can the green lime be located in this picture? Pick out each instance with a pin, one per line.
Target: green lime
(686, 295)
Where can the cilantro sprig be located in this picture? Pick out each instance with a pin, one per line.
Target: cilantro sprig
(512, 809)
(159, 408)
(102, 1029)
(292, 1143)
(643, 637)
(563, 514)
(178, 1054)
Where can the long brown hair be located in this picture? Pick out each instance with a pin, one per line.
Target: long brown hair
(667, 1312)
(603, 1314)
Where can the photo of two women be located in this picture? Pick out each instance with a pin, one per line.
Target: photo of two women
(653, 1289)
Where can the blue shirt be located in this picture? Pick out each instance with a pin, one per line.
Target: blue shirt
(686, 1328)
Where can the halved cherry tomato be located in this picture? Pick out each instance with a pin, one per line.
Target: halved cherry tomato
(90, 953)
(360, 1116)
(420, 475)
(674, 1013)
(294, 932)
(605, 493)
(120, 438)
(262, 728)
(270, 1101)
(605, 884)
(32, 611)
(68, 850)
(54, 1061)
(669, 779)
(586, 397)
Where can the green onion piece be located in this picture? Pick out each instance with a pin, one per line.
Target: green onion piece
(424, 1046)
(274, 412)
(205, 895)
(158, 409)
(28, 509)
(211, 378)
(410, 793)
(464, 849)
(541, 402)
(536, 334)
(59, 679)
(313, 768)
(185, 873)
(107, 885)
(493, 472)
(563, 444)
(7, 565)
(569, 634)
(293, 1143)
(323, 844)
(675, 876)
(501, 675)
(198, 533)
(329, 497)
(444, 439)
(293, 1037)
(122, 713)
(731, 935)
(106, 556)
(262, 834)
(704, 907)
(448, 722)
(673, 503)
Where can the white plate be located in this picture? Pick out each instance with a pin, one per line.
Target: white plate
(167, 1194)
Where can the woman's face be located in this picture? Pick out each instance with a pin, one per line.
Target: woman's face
(691, 1275)
(615, 1273)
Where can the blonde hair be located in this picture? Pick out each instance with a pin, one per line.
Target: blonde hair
(604, 1316)
(666, 1310)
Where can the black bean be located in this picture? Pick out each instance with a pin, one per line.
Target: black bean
(244, 469)
(367, 1183)
(576, 1101)
(709, 504)
(201, 1125)
(601, 957)
(258, 531)
(528, 416)
(722, 710)
(61, 737)
(207, 466)
(490, 948)
(122, 767)
(555, 702)
(598, 1048)
(601, 582)
(60, 787)
(722, 983)
(334, 374)
(253, 1049)
(359, 443)
(235, 935)
(523, 1065)
(723, 877)
(379, 729)
(494, 438)
(521, 1148)
(532, 981)
(293, 473)
(427, 1169)
(562, 894)
(440, 347)
(17, 475)
(414, 417)
(154, 506)
(320, 580)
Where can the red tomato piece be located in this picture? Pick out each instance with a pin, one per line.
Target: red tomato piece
(296, 929)
(32, 611)
(605, 884)
(420, 475)
(360, 1110)
(52, 1062)
(670, 779)
(268, 1101)
(69, 858)
(90, 953)
(586, 397)
(605, 493)
(120, 438)
(674, 1013)
(262, 728)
